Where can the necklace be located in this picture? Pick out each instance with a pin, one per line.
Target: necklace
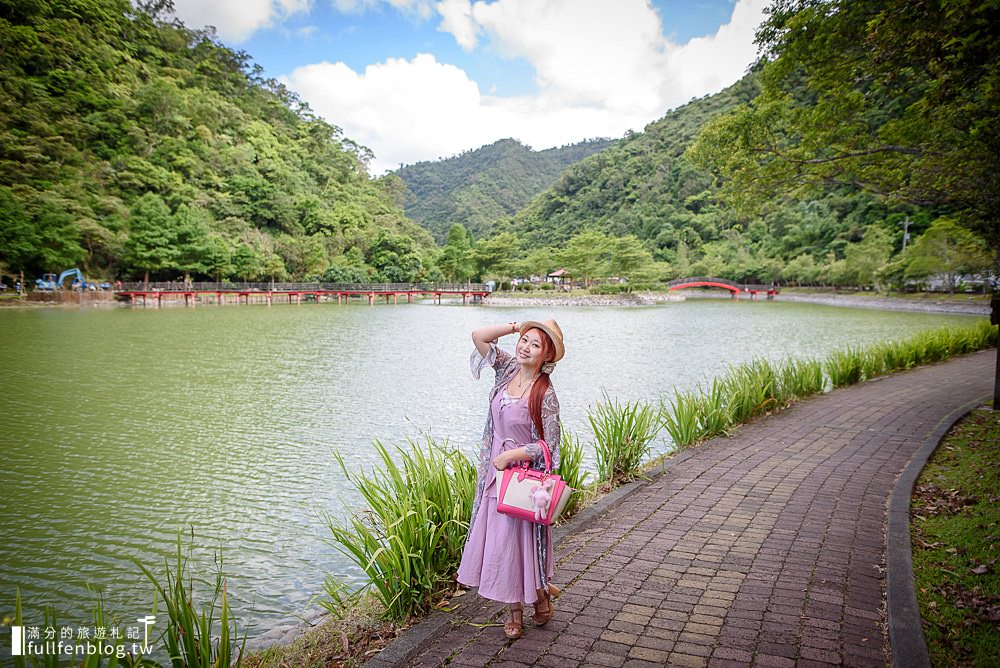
(522, 387)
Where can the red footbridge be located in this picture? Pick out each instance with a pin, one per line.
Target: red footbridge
(735, 289)
(294, 293)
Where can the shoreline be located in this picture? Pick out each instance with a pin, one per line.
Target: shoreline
(923, 304)
(927, 303)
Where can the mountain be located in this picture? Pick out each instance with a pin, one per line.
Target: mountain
(133, 146)
(645, 188)
(643, 185)
(480, 187)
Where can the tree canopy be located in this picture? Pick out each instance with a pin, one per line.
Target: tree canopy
(895, 97)
(133, 146)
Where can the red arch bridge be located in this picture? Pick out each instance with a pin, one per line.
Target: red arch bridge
(735, 289)
(293, 293)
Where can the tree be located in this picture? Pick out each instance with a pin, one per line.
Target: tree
(895, 97)
(862, 261)
(152, 240)
(191, 230)
(946, 250)
(456, 261)
(586, 255)
(628, 257)
(394, 258)
(497, 255)
(19, 240)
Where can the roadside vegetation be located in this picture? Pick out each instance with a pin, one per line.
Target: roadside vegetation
(955, 520)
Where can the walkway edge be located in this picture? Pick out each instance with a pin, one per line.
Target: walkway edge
(906, 636)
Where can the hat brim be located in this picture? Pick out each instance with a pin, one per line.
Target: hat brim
(555, 337)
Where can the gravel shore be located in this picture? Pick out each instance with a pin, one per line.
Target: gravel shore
(926, 304)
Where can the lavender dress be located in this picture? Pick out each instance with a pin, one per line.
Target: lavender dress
(509, 559)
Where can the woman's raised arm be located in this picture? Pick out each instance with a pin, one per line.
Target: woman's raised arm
(484, 335)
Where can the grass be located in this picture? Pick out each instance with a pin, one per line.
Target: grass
(409, 538)
(571, 471)
(195, 636)
(622, 434)
(955, 517)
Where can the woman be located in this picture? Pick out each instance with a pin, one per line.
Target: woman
(510, 559)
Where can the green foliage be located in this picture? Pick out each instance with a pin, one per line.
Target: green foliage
(196, 638)
(893, 97)
(409, 539)
(134, 146)
(622, 434)
(481, 187)
(570, 470)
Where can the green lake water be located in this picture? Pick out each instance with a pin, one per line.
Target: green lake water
(121, 427)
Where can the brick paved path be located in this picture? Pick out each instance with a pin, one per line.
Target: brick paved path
(766, 548)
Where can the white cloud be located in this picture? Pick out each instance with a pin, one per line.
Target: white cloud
(404, 110)
(237, 20)
(601, 68)
(456, 18)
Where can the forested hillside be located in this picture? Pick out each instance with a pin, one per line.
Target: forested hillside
(643, 197)
(480, 187)
(133, 146)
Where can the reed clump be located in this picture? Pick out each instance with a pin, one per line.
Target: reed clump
(195, 635)
(749, 390)
(622, 436)
(571, 471)
(409, 539)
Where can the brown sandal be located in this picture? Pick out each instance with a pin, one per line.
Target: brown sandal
(514, 628)
(542, 616)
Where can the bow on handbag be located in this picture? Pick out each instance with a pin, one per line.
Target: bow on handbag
(518, 491)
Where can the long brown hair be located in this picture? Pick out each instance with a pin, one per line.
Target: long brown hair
(542, 384)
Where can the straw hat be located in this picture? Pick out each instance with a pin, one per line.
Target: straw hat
(551, 328)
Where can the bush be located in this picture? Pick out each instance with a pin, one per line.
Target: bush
(610, 289)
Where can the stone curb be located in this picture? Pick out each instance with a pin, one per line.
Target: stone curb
(906, 635)
(419, 636)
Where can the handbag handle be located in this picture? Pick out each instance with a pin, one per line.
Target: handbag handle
(545, 451)
(548, 456)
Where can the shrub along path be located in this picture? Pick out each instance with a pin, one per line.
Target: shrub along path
(767, 547)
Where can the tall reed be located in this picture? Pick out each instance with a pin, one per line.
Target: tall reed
(409, 539)
(571, 471)
(681, 417)
(752, 390)
(801, 378)
(193, 637)
(622, 434)
(190, 631)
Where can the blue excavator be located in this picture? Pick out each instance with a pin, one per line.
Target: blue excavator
(50, 282)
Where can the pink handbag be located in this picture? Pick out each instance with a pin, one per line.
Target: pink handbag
(518, 492)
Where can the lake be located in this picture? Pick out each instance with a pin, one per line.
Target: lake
(121, 427)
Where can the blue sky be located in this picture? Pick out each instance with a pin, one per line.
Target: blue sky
(425, 79)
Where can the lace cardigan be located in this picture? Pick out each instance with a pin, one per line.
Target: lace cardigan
(506, 366)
